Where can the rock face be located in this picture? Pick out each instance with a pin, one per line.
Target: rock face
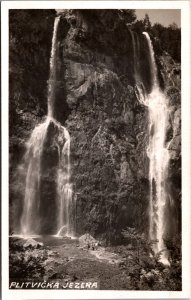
(97, 103)
(107, 126)
(171, 73)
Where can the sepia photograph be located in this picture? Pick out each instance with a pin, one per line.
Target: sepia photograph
(95, 150)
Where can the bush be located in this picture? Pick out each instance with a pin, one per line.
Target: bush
(143, 268)
(25, 264)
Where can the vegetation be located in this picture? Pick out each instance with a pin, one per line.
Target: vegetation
(128, 15)
(169, 39)
(166, 39)
(26, 263)
(142, 266)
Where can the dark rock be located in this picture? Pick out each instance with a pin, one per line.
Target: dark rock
(88, 242)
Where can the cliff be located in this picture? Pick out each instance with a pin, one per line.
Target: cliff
(96, 101)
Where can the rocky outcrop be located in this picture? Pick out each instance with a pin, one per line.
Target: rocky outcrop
(107, 125)
(31, 243)
(86, 241)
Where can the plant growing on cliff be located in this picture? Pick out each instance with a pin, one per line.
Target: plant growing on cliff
(128, 15)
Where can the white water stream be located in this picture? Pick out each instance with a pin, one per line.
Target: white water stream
(30, 219)
(158, 154)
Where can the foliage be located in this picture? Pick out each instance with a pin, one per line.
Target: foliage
(143, 268)
(147, 23)
(142, 25)
(128, 15)
(169, 39)
(26, 266)
(164, 38)
(26, 263)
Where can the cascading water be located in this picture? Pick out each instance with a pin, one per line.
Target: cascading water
(52, 77)
(158, 154)
(136, 55)
(159, 158)
(65, 192)
(31, 215)
(32, 163)
(136, 65)
(155, 84)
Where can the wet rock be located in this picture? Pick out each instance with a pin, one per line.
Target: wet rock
(31, 243)
(88, 242)
(175, 147)
(176, 123)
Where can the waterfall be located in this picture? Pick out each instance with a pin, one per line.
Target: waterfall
(140, 89)
(31, 214)
(52, 76)
(136, 55)
(152, 62)
(158, 154)
(32, 162)
(159, 158)
(66, 203)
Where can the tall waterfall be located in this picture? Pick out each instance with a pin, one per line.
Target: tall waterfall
(32, 161)
(155, 84)
(52, 77)
(159, 157)
(136, 65)
(158, 154)
(31, 215)
(136, 55)
(66, 219)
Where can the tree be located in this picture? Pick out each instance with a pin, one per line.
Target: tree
(147, 23)
(138, 26)
(173, 26)
(142, 25)
(142, 266)
(157, 29)
(128, 15)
